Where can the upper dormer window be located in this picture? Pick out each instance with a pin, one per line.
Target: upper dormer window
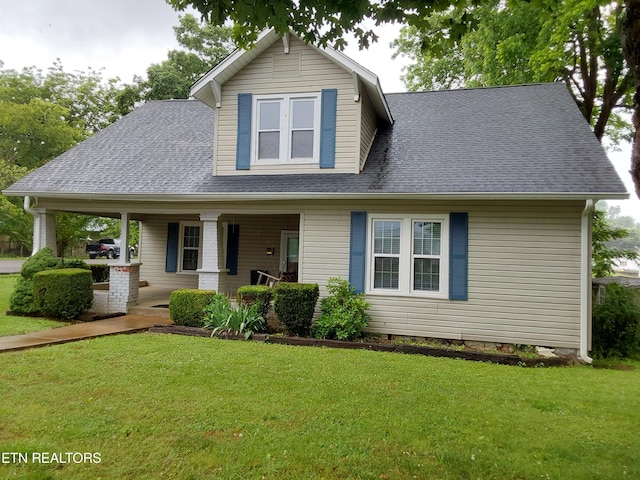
(287, 128)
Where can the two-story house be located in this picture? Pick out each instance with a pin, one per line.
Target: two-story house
(461, 214)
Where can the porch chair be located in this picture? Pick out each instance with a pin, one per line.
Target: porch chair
(266, 279)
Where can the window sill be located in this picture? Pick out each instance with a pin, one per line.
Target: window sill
(259, 163)
(421, 295)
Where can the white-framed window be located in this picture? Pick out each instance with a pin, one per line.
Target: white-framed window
(190, 246)
(409, 255)
(287, 128)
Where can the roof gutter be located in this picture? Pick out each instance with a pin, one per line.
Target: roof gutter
(585, 283)
(178, 197)
(36, 223)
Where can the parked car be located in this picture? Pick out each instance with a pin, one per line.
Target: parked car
(107, 247)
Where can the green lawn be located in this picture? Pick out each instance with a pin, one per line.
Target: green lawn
(165, 406)
(11, 325)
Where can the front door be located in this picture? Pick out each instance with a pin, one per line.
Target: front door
(289, 241)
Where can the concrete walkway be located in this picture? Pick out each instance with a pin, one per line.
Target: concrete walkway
(81, 331)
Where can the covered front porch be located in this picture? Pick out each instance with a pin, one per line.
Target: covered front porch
(219, 251)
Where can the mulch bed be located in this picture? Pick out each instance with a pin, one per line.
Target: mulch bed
(408, 348)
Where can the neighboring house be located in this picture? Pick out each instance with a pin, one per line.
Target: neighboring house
(624, 266)
(462, 214)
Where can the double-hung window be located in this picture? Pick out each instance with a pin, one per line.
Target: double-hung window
(409, 255)
(190, 242)
(287, 129)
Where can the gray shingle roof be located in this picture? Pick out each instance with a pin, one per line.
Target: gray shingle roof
(519, 139)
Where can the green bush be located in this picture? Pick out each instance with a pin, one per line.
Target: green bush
(43, 260)
(64, 293)
(294, 305)
(225, 320)
(616, 323)
(22, 299)
(186, 306)
(74, 263)
(260, 295)
(343, 312)
(100, 272)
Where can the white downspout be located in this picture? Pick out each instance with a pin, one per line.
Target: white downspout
(585, 281)
(36, 224)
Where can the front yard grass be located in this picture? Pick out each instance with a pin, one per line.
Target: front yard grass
(167, 406)
(12, 325)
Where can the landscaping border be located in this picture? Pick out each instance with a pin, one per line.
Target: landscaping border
(407, 348)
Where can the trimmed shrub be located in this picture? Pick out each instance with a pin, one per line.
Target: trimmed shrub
(43, 260)
(186, 306)
(343, 312)
(64, 293)
(223, 319)
(75, 263)
(294, 305)
(100, 272)
(616, 323)
(22, 299)
(260, 295)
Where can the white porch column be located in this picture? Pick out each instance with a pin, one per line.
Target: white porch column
(46, 230)
(37, 241)
(209, 272)
(124, 238)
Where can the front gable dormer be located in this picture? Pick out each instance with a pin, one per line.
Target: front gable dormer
(286, 107)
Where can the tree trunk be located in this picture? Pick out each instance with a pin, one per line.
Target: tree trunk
(631, 50)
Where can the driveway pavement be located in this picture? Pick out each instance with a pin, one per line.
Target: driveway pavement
(10, 266)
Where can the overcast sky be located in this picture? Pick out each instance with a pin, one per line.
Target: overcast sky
(125, 36)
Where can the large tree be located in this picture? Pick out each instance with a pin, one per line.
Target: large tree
(202, 44)
(41, 116)
(14, 221)
(631, 50)
(575, 41)
(321, 22)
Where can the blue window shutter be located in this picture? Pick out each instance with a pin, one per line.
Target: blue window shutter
(459, 255)
(173, 237)
(233, 242)
(358, 250)
(243, 146)
(328, 128)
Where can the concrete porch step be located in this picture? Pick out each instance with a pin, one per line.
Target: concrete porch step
(149, 311)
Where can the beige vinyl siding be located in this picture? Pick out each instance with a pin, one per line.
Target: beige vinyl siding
(153, 254)
(524, 262)
(524, 273)
(257, 233)
(274, 72)
(369, 127)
